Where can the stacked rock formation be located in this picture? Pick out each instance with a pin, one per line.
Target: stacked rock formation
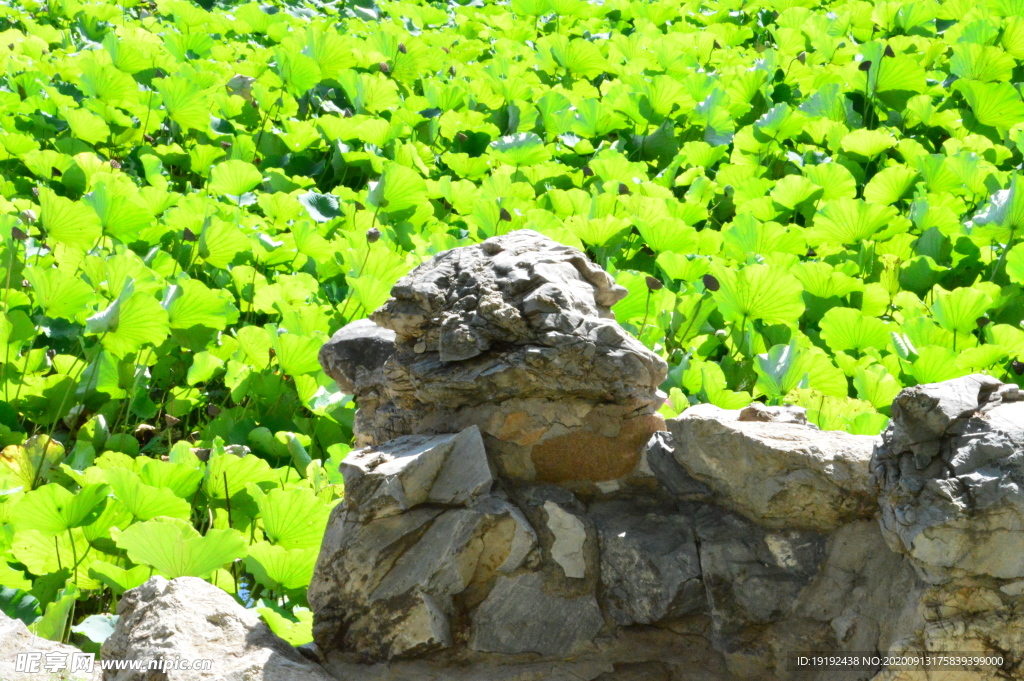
(515, 336)
(518, 512)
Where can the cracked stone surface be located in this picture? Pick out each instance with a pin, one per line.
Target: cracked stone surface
(516, 336)
(417, 469)
(774, 469)
(950, 471)
(520, 512)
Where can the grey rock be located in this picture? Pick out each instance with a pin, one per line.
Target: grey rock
(650, 569)
(354, 356)
(188, 619)
(16, 638)
(661, 459)
(783, 475)
(951, 470)
(868, 594)
(521, 616)
(922, 414)
(385, 588)
(417, 469)
(752, 575)
(633, 654)
(516, 336)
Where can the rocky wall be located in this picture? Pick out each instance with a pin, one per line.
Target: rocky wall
(518, 511)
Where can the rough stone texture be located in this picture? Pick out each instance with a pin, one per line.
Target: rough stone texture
(354, 357)
(660, 457)
(779, 473)
(187, 618)
(650, 570)
(414, 470)
(516, 336)
(679, 654)
(521, 615)
(752, 575)
(570, 535)
(16, 638)
(386, 587)
(519, 513)
(950, 471)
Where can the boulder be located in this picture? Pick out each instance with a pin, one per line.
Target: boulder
(514, 335)
(518, 511)
(15, 639)
(775, 470)
(950, 469)
(650, 570)
(417, 469)
(189, 619)
(387, 587)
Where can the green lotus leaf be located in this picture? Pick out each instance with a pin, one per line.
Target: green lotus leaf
(1015, 264)
(958, 310)
(69, 223)
(144, 501)
(981, 62)
(521, 149)
(191, 303)
(234, 178)
(175, 549)
(850, 221)
(185, 102)
(119, 579)
(996, 104)
(890, 185)
(53, 623)
(279, 568)
(228, 475)
(53, 509)
(300, 630)
(844, 328)
(876, 385)
(58, 293)
(294, 519)
(398, 188)
(868, 143)
(30, 464)
(321, 207)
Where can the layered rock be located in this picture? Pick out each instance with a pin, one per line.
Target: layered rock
(515, 336)
(768, 464)
(518, 511)
(950, 472)
(419, 528)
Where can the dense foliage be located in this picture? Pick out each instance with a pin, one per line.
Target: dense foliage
(809, 203)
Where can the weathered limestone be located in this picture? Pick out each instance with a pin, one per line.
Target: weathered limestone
(386, 587)
(417, 469)
(520, 615)
(950, 471)
(650, 569)
(519, 512)
(189, 619)
(16, 638)
(354, 357)
(773, 469)
(515, 336)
